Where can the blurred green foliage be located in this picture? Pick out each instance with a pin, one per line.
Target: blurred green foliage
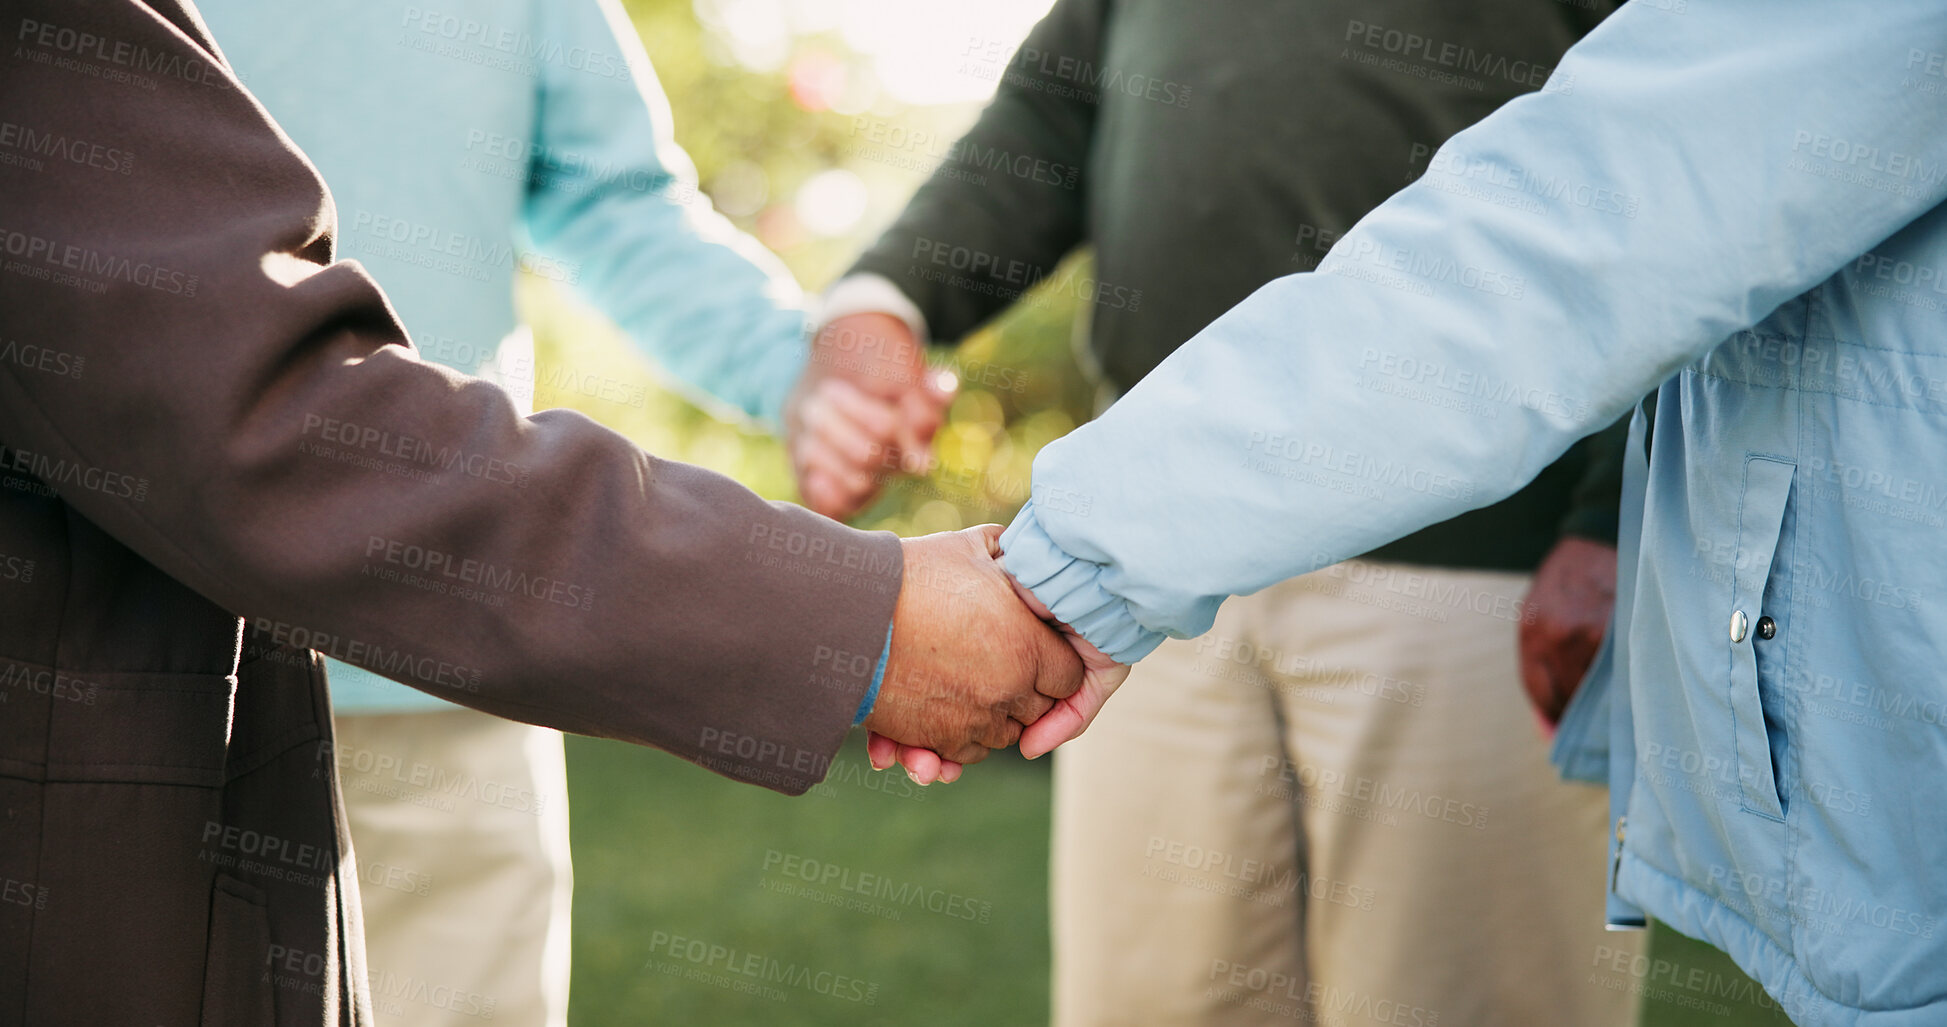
(752, 139)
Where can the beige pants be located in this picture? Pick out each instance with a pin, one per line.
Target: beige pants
(1334, 808)
(459, 823)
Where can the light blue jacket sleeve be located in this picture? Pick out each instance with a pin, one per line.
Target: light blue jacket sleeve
(1688, 168)
(613, 203)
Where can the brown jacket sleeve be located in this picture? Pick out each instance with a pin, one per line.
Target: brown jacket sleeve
(252, 418)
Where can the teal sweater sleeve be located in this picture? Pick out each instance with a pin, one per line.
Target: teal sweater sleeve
(612, 197)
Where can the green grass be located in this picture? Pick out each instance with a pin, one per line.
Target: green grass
(664, 850)
(1708, 990)
(662, 846)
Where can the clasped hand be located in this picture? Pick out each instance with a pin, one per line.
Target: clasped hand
(977, 662)
(866, 409)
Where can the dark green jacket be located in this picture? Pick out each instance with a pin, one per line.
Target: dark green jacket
(1205, 148)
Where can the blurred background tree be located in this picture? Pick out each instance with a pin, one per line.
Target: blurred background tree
(785, 105)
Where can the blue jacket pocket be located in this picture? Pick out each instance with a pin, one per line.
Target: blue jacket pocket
(1760, 523)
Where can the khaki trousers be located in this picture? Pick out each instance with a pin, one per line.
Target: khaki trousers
(1334, 808)
(459, 823)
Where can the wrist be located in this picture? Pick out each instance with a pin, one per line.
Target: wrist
(868, 293)
(1071, 590)
(871, 697)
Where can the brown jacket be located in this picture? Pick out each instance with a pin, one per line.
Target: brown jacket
(219, 453)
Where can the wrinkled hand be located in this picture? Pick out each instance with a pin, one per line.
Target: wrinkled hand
(1063, 721)
(866, 406)
(969, 667)
(1567, 614)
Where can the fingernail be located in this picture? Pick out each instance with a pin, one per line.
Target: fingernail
(915, 779)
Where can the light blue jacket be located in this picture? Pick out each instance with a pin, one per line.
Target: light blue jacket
(1738, 201)
(463, 141)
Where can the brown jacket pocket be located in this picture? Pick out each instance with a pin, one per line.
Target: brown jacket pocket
(236, 975)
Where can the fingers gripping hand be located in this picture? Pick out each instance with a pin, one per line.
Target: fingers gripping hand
(1070, 715)
(1067, 714)
(840, 440)
(970, 667)
(866, 407)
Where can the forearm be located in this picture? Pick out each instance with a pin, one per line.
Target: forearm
(615, 199)
(299, 465)
(1553, 265)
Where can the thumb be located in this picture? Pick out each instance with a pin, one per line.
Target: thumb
(1069, 717)
(1065, 721)
(989, 535)
(1058, 725)
(1059, 672)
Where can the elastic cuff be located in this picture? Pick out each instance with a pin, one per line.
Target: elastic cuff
(878, 678)
(1072, 590)
(869, 293)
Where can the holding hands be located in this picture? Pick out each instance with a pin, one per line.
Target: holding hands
(968, 620)
(866, 406)
(976, 661)
(970, 667)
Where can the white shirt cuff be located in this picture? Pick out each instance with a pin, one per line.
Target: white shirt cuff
(868, 293)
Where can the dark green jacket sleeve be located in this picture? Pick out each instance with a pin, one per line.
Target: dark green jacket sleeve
(1597, 499)
(1008, 199)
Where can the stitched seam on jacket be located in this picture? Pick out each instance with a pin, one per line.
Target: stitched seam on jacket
(291, 739)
